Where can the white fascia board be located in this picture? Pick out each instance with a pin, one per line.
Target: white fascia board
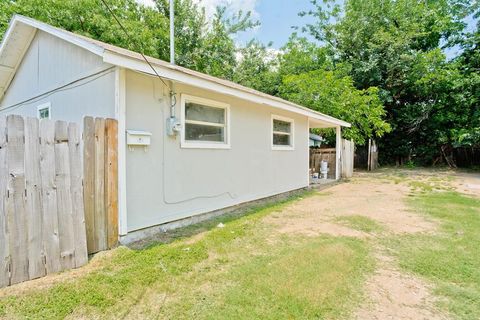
(3, 46)
(6, 68)
(176, 75)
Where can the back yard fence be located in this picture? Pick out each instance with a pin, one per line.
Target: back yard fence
(317, 155)
(57, 202)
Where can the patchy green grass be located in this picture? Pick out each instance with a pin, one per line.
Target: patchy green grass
(244, 270)
(451, 258)
(360, 223)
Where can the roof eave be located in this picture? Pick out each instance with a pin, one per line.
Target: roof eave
(132, 63)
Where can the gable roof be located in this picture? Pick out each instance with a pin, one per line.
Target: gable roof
(21, 32)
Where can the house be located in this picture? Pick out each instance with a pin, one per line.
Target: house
(315, 140)
(189, 143)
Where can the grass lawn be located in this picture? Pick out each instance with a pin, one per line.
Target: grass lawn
(241, 271)
(360, 223)
(450, 259)
(251, 267)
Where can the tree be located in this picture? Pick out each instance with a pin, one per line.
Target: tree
(395, 45)
(334, 94)
(199, 45)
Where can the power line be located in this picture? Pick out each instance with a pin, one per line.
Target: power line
(61, 88)
(130, 39)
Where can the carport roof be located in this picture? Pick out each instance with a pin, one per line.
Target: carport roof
(22, 30)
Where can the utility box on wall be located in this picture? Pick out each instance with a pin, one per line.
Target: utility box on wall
(138, 138)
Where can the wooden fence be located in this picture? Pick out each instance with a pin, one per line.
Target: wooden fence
(348, 152)
(317, 155)
(100, 183)
(44, 195)
(323, 154)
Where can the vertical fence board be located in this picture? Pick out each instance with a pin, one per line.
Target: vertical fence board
(4, 249)
(89, 181)
(36, 267)
(64, 198)
(44, 203)
(111, 183)
(79, 233)
(100, 212)
(51, 239)
(17, 219)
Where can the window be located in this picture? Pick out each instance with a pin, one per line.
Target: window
(205, 123)
(44, 111)
(282, 133)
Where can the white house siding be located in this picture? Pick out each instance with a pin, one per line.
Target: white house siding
(167, 183)
(49, 64)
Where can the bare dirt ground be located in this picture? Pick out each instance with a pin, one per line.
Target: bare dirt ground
(391, 293)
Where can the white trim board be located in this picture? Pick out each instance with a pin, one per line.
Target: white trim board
(202, 144)
(290, 147)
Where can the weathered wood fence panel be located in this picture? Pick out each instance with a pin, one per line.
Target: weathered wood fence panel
(111, 183)
(4, 247)
(323, 154)
(372, 155)
(42, 226)
(348, 151)
(317, 155)
(100, 183)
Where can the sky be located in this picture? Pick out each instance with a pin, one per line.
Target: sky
(276, 17)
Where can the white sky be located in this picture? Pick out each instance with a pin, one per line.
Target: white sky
(210, 5)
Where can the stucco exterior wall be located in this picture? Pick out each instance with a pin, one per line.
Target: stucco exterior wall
(166, 182)
(51, 63)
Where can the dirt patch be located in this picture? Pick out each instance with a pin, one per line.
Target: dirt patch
(392, 294)
(384, 202)
(468, 183)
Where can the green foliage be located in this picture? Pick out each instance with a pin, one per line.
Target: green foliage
(432, 104)
(332, 94)
(304, 73)
(198, 45)
(257, 68)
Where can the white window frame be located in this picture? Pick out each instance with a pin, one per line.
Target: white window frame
(292, 133)
(48, 106)
(204, 144)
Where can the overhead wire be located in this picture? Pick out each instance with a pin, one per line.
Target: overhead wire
(130, 39)
(67, 86)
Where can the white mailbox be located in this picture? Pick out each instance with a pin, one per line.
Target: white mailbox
(138, 138)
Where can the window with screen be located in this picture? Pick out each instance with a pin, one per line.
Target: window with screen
(205, 123)
(282, 133)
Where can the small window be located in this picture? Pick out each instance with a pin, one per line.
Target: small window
(282, 133)
(44, 111)
(205, 123)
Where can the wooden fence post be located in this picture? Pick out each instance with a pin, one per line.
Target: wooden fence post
(64, 197)
(111, 181)
(101, 183)
(16, 213)
(76, 175)
(36, 266)
(100, 212)
(4, 237)
(51, 239)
